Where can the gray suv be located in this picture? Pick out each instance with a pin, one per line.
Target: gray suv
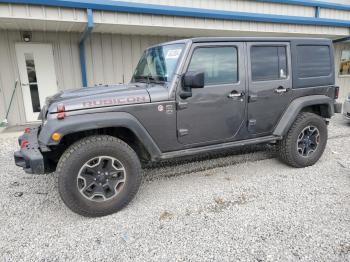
(346, 108)
(185, 97)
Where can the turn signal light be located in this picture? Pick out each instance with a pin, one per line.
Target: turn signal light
(60, 112)
(56, 137)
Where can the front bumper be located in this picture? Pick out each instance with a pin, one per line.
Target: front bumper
(30, 157)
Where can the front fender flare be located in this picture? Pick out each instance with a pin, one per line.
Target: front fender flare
(296, 106)
(77, 123)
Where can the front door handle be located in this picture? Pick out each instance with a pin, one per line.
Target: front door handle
(281, 90)
(235, 94)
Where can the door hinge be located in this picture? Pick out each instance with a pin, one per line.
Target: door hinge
(181, 105)
(251, 125)
(252, 98)
(182, 132)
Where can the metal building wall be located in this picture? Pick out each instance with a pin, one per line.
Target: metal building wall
(344, 2)
(113, 22)
(342, 81)
(43, 18)
(67, 67)
(250, 6)
(78, 15)
(8, 74)
(236, 5)
(111, 58)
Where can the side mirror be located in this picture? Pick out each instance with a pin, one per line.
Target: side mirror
(193, 80)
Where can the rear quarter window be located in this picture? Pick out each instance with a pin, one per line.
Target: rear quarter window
(313, 61)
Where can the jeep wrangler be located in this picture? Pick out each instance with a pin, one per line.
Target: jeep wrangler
(185, 97)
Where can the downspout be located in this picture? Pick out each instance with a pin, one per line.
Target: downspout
(86, 34)
(317, 11)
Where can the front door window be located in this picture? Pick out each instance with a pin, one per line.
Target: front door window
(219, 64)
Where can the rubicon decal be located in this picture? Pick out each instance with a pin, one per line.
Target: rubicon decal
(169, 109)
(115, 101)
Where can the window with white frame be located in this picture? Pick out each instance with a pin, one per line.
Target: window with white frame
(344, 69)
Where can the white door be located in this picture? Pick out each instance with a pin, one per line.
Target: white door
(37, 74)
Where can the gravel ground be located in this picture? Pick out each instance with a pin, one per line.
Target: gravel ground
(241, 205)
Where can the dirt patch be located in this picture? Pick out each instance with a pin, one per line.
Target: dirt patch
(222, 204)
(344, 249)
(166, 216)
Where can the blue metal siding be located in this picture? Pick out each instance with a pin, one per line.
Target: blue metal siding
(313, 3)
(127, 7)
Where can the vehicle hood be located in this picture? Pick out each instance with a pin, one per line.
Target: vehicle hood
(99, 96)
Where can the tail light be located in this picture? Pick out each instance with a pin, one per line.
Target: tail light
(60, 112)
(336, 92)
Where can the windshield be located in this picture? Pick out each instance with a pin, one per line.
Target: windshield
(158, 64)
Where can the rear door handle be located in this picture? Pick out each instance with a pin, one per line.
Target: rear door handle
(235, 94)
(281, 90)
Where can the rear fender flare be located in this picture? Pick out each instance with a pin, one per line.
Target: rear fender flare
(296, 106)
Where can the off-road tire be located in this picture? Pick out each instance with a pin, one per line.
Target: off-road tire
(286, 148)
(74, 158)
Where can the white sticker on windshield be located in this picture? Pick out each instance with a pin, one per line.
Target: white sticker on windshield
(173, 53)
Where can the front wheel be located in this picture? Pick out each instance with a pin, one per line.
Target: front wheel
(98, 175)
(305, 141)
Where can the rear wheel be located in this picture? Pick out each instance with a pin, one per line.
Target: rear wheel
(305, 141)
(98, 175)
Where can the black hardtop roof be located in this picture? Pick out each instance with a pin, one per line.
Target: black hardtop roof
(253, 39)
(250, 39)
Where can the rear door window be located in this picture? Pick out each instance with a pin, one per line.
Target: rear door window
(268, 63)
